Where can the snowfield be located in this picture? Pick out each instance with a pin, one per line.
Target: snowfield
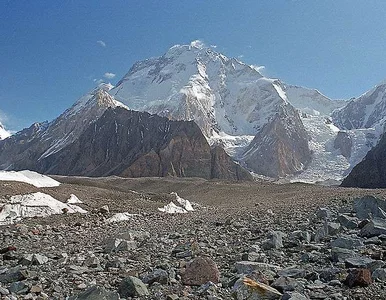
(34, 205)
(29, 177)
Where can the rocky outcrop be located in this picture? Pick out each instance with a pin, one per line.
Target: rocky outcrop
(280, 148)
(25, 148)
(223, 167)
(343, 142)
(371, 171)
(135, 144)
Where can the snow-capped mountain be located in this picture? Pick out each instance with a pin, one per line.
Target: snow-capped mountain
(3, 133)
(334, 151)
(191, 82)
(366, 111)
(225, 97)
(268, 126)
(99, 136)
(311, 101)
(23, 149)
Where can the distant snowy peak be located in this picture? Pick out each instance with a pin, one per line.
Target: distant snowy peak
(3, 132)
(193, 82)
(69, 126)
(311, 101)
(366, 111)
(96, 97)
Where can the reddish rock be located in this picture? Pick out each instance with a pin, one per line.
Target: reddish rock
(200, 271)
(359, 277)
(7, 249)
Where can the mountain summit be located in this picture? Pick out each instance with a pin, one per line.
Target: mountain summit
(269, 127)
(224, 96)
(3, 133)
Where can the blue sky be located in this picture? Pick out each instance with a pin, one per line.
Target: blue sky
(52, 51)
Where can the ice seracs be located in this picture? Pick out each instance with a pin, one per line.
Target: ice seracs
(183, 206)
(34, 205)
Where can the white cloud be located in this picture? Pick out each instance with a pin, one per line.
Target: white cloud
(258, 68)
(240, 56)
(3, 117)
(98, 81)
(213, 46)
(197, 44)
(102, 43)
(109, 75)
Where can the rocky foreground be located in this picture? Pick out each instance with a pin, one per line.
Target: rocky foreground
(243, 241)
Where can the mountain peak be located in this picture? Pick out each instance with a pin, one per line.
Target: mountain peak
(3, 132)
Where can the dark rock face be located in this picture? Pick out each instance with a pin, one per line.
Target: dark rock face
(371, 171)
(280, 148)
(135, 144)
(25, 148)
(223, 167)
(343, 142)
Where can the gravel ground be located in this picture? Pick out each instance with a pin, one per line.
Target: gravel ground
(231, 223)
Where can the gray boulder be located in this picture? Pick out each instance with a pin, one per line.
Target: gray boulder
(374, 228)
(379, 274)
(132, 287)
(346, 243)
(341, 254)
(274, 241)
(248, 289)
(96, 293)
(348, 222)
(370, 207)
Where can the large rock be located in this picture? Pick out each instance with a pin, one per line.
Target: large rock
(370, 207)
(33, 259)
(341, 254)
(379, 274)
(132, 287)
(274, 240)
(347, 221)
(96, 293)
(374, 228)
(359, 277)
(346, 242)
(248, 289)
(284, 284)
(12, 275)
(199, 271)
(117, 244)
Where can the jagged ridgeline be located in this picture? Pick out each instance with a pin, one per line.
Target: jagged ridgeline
(266, 126)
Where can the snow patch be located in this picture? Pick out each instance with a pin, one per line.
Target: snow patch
(119, 217)
(34, 205)
(183, 202)
(73, 200)
(183, 207)
(29, 177)
(4, 133)
(171, 208)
